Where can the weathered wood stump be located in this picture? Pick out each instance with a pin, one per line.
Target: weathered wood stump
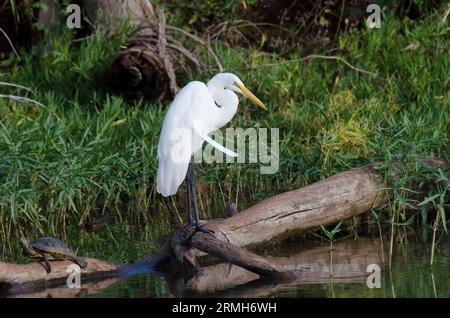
(143, 68)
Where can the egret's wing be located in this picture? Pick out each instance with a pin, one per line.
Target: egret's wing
(219, 146)
(177, 137)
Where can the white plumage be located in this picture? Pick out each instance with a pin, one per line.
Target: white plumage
(196, 111)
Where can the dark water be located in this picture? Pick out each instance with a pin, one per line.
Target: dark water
(341, 273)
(323, 271)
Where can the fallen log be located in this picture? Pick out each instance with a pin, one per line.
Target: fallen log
(34, 274)
(336, 198)
(322, 203)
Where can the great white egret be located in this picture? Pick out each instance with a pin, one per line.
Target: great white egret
(197, 110)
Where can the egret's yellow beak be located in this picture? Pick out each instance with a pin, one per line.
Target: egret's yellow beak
(250, 95)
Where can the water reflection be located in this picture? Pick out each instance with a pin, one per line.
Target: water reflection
(321, 272)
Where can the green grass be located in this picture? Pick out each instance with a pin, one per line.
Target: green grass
(88, 152)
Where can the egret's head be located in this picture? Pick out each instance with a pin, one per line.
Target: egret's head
(229, 81)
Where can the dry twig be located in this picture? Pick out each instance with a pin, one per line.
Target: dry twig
(11, 44)
(325, 57)
(200, 41)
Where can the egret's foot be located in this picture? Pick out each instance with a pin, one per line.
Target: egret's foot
(199, 228)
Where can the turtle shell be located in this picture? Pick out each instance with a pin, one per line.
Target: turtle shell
(53, 246)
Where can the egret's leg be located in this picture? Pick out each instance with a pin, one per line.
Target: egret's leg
(191, 173)
(189, 194)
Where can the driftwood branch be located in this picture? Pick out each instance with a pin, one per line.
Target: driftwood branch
(184, 239)
(239, 256)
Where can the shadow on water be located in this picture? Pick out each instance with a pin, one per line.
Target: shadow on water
(342, 271)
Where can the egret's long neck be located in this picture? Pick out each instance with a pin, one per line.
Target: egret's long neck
(225, 105)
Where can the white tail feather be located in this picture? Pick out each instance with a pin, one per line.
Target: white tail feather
(219, 146)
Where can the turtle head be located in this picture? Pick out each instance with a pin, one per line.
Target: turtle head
(26, 246)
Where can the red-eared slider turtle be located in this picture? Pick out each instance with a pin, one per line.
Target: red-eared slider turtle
(47, 249)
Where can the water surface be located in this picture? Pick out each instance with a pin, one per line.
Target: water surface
(340, 269)
(339, 273)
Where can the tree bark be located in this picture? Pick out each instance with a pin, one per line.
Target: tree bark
(336, 198)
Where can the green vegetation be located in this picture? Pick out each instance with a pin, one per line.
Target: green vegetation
(88, 152)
